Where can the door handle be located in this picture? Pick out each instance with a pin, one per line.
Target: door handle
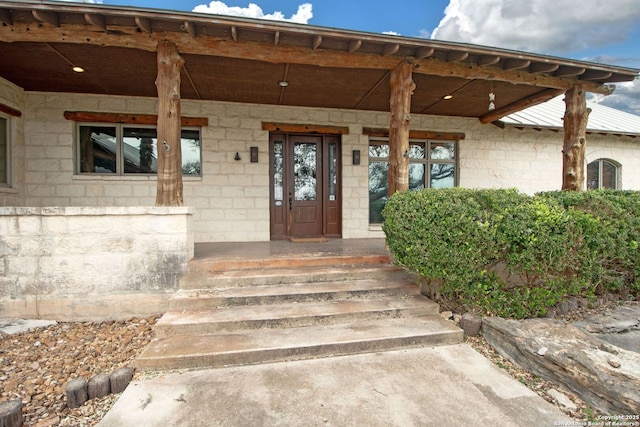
(290, 202)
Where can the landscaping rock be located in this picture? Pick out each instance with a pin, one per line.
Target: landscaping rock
(120, 379)
(471, 324)
(76, 392)
(619, 326)
(573, 359)
(11, 413)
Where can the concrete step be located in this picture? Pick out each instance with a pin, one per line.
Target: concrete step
(197, 279)
(296, 343)
(212, 265)
(229, 319)
(211, 298)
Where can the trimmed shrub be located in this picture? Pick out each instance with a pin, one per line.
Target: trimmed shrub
(513, 255)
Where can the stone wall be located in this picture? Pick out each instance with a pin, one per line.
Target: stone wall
(231, 197)
(90, 262)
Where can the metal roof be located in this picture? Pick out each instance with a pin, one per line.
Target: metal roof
(550, 114)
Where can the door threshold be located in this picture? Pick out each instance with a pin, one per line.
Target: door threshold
(308, 239)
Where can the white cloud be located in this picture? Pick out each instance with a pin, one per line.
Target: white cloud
(545, 26)
(626, 97)
(302, 16)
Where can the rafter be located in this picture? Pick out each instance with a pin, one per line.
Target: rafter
(354, 45)
(46, 16)
(485, 60)
(190, 28)
(143, 24)
(5, 17)
(96, 20)
(317, 41)
(424, 52)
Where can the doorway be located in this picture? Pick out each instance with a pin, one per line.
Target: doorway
(305, 197)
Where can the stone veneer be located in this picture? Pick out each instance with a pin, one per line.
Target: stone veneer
(74, 262)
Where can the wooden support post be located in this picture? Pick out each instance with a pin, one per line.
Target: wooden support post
(576, 117)
(402, 87)
(169, 188)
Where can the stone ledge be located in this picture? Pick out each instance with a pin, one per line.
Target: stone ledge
(95, 211)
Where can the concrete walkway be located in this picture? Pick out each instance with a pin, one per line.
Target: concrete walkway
(439, 386)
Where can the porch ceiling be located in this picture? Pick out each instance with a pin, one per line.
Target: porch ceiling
(242, 60)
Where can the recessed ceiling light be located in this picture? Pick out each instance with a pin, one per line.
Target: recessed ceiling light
(78, 69)
(283, 84)
(447, 97)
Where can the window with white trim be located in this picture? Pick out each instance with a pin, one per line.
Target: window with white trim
(5, 158)
(432, 164)
(602, 173)
(122, 149)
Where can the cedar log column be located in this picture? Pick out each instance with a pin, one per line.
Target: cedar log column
(402, 87)
(576, 117)
(169, 188)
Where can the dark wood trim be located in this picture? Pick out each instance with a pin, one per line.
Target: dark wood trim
(129, 119)
(416, 134)
(297, 128)
(10, 111)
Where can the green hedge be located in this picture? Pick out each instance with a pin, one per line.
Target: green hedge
(504, 253)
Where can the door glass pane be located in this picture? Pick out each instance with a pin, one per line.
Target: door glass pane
(593, 172)
(304, 171)
(4, 179)
(333, 170)
(442, 151)
(442, 175)
(416, 151)
(98, 146)
(379, 150)
(278, 162)
(140, 150)
(608, 175)
(378, 189)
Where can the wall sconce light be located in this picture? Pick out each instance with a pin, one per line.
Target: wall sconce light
(254, 154)
(356, 157)
(237, 156)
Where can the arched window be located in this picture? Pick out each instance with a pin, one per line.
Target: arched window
(602, 173)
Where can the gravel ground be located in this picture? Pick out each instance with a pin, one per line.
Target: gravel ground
(36, 365)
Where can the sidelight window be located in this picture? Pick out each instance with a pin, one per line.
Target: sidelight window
(5, 158)
(126, 150)
(432, 164)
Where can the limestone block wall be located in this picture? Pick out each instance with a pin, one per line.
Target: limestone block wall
(61, 262)
(231, 197)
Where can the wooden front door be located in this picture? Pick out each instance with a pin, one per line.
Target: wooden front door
(305, 184)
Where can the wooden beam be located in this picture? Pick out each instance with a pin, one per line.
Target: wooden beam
(485, 60)
(424, 52)
(5, 17)
(10, 111)
(130, 119)
(596, 75)
(304, 128)
(46, 16)
(96, 20)
(267, 52)
(354, 45)
(190, 28)
(317, 41)
(457, 56)
(169, 185)
(576, 117)
(564, 71)
(390, 49)
(538, 98)
(543, 67)
(402, 87)
(144, 24)
(415, 134)
(515, 64)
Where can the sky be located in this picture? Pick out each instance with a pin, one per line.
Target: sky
(604, 31)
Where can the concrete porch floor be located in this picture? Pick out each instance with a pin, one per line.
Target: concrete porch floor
(277, 249)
